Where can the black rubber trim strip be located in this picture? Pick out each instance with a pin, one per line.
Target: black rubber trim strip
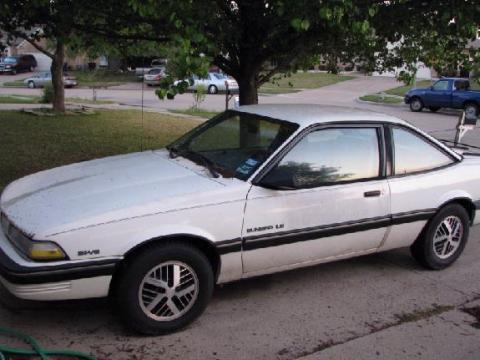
(412, 216)
(18, 274)
(229, 246)
(289, 237)
(307, 234)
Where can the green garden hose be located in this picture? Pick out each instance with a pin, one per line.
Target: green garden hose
(35, 350)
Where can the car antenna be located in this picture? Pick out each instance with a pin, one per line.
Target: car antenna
(143, 82)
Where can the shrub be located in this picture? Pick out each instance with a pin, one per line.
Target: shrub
(47, 94)
(199, 95)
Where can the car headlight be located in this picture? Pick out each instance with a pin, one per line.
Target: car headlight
(33, 249)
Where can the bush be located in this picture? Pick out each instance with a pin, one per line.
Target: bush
(47, 94)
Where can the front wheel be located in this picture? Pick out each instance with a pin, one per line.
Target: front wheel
(31, 85)
(164, 288)
(443, 239)
(416, 105)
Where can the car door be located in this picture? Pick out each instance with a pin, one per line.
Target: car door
(439, 95)
(325, 197)
(45, 79)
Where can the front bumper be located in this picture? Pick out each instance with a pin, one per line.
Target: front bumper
(406, 99)
(54, 281)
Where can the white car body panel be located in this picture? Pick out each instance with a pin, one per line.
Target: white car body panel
(305, 209)
(101, 210)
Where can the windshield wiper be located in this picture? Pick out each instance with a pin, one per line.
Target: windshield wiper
(206, 162)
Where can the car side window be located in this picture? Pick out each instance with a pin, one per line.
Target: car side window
(413, 154)
(441, 85)
(329, 156)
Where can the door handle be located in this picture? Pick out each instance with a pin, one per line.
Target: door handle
(373, 193)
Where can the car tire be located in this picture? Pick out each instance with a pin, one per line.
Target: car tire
(472, 108)
(30, 69)
(433, 108)
(31, 85)
(147, 298)
(212, 89)
(443, 238)
(416, 104)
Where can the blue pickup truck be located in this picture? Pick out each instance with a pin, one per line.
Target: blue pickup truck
(445, 93)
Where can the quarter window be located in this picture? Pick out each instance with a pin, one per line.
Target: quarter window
(329, 156)
(413, 154)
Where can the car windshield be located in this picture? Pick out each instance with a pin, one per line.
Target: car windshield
(10, 60)
(233, 143)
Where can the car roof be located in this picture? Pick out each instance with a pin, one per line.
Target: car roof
(453, 78)
(309, 114)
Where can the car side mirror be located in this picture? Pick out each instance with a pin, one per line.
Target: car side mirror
(278, 180)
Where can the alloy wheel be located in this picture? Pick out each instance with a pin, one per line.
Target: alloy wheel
(168, 291)
(448, 237)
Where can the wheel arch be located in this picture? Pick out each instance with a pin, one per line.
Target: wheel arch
(207, 247)
(466, 202)
(471, 101)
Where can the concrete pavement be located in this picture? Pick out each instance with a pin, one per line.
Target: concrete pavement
(382, 306)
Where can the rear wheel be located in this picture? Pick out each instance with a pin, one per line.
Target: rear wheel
(212, 89)
(472, 109)
(443, 239)
(31, 85)
(434, 108)
(416, 104)
(164, 288)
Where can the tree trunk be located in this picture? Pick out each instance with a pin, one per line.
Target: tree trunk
(248, 90)
(57, 78)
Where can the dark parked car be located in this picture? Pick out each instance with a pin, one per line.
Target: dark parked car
(17, 63)
(445, 93)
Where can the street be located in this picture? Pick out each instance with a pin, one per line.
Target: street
(381, 306)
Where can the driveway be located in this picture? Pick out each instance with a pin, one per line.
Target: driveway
(381, 306)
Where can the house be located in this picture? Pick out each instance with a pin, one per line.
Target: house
(77, 62)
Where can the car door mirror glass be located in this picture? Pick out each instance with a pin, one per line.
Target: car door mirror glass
(278, 179)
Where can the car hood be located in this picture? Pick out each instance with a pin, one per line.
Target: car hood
(105, 190)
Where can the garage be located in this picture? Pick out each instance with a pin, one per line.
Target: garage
(43, 61)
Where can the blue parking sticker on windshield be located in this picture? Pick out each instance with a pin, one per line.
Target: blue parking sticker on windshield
(247, 167)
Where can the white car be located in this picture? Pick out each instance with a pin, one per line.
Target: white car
(213, 83)
(253, 191)
(45, 78)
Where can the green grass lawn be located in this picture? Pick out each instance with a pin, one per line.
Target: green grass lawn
(32, 143)
(32, 99)
(16, 83)
(401, 90)
(302, 80)
(19, 99)
(378, 98)
(103, 78)
(207, 114)
(97, 78)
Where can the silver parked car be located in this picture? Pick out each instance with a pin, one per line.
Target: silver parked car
(42, 79)
(154, 76)
(214, 82)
